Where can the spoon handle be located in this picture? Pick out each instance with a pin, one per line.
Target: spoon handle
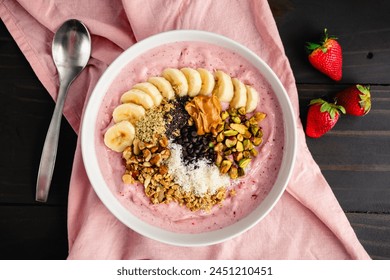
(49, 152)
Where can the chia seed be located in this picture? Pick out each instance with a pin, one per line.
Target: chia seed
(178, 117)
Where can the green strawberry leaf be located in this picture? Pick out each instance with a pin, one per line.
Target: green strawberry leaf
(331, 108)
(365, 97)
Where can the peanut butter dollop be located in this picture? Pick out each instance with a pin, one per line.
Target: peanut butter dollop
(205, 111)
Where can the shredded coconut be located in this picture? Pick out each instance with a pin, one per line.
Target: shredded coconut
(199, 178)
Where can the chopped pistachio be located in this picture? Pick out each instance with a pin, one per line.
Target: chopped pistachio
(257, 141)
(247, 145)
(244, 162)
(218, 160)
(259, 116)
(224, 115)
(240, 137)
(233, 172)
(254, 129)
(241, 111)
(220, 137)
(227, 152)
(239, 146)
(236, 119)
(239, 127)
(238, 156)
(230, 142)
(247, 134)
(232, 111)
(220, 127)
(246, 154)
(219, 147)
(230, 132)
(254, 152)
(225, 166)
(241, 172)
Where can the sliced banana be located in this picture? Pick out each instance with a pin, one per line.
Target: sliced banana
(208, 81)
(151, 90)
(177, 80)
(194, 81)
(164, 86)
(224, 86)
(138, 97)
(252, 97)
(239, 94)
(119, 136)
(128, 112)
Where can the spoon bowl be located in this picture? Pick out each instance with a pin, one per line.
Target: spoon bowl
(71, 50)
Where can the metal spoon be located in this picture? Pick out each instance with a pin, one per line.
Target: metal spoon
(71, 50)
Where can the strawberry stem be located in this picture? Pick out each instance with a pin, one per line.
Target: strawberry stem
(331, 108)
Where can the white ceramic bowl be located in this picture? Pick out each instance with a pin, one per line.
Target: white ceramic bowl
(108, 198)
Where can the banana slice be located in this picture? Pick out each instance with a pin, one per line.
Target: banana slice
(138, 97)
(208, 81)
(239, 94)
(252, 97)
(177, 80)
(224, 86)
(119, 136)
(128, 112)
(194, 81)
(163, 86)
(151, 90)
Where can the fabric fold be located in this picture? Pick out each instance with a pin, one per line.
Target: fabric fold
(307, 222)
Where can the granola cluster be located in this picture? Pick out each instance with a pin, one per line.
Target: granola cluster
(146, 163)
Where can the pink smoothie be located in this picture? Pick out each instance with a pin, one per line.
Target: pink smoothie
(251, 189)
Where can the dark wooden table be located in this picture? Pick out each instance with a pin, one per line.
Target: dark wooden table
(354, 157)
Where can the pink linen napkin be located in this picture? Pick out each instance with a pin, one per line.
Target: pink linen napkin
(307, 222)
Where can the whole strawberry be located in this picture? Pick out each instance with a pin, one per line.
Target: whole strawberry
(322, 117)
(356, 100)
(327, 56)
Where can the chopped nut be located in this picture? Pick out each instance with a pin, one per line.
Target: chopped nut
(239, 146)
(257, 141)
(254, 152)
(225, 166)
(233, 172)
(239, 127)
(259, 116)
(128, 179)
(230, 132)
(237, 156)
(163, 142)
(147, 154)
(156, 160)
(244, 162)
(218, 160)
(147, 181)
(230, 142)
(247, 145)
(236, 119)
(163, 170)
(224, 115)
(136, 149)
(220, 137)
(219, 147)
(241, 111)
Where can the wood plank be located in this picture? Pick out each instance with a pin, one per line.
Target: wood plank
(357, 166)
(363, 30)
(25, 113)
(33, 232)
(373, 232)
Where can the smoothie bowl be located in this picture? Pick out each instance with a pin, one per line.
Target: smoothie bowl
(189, 138)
